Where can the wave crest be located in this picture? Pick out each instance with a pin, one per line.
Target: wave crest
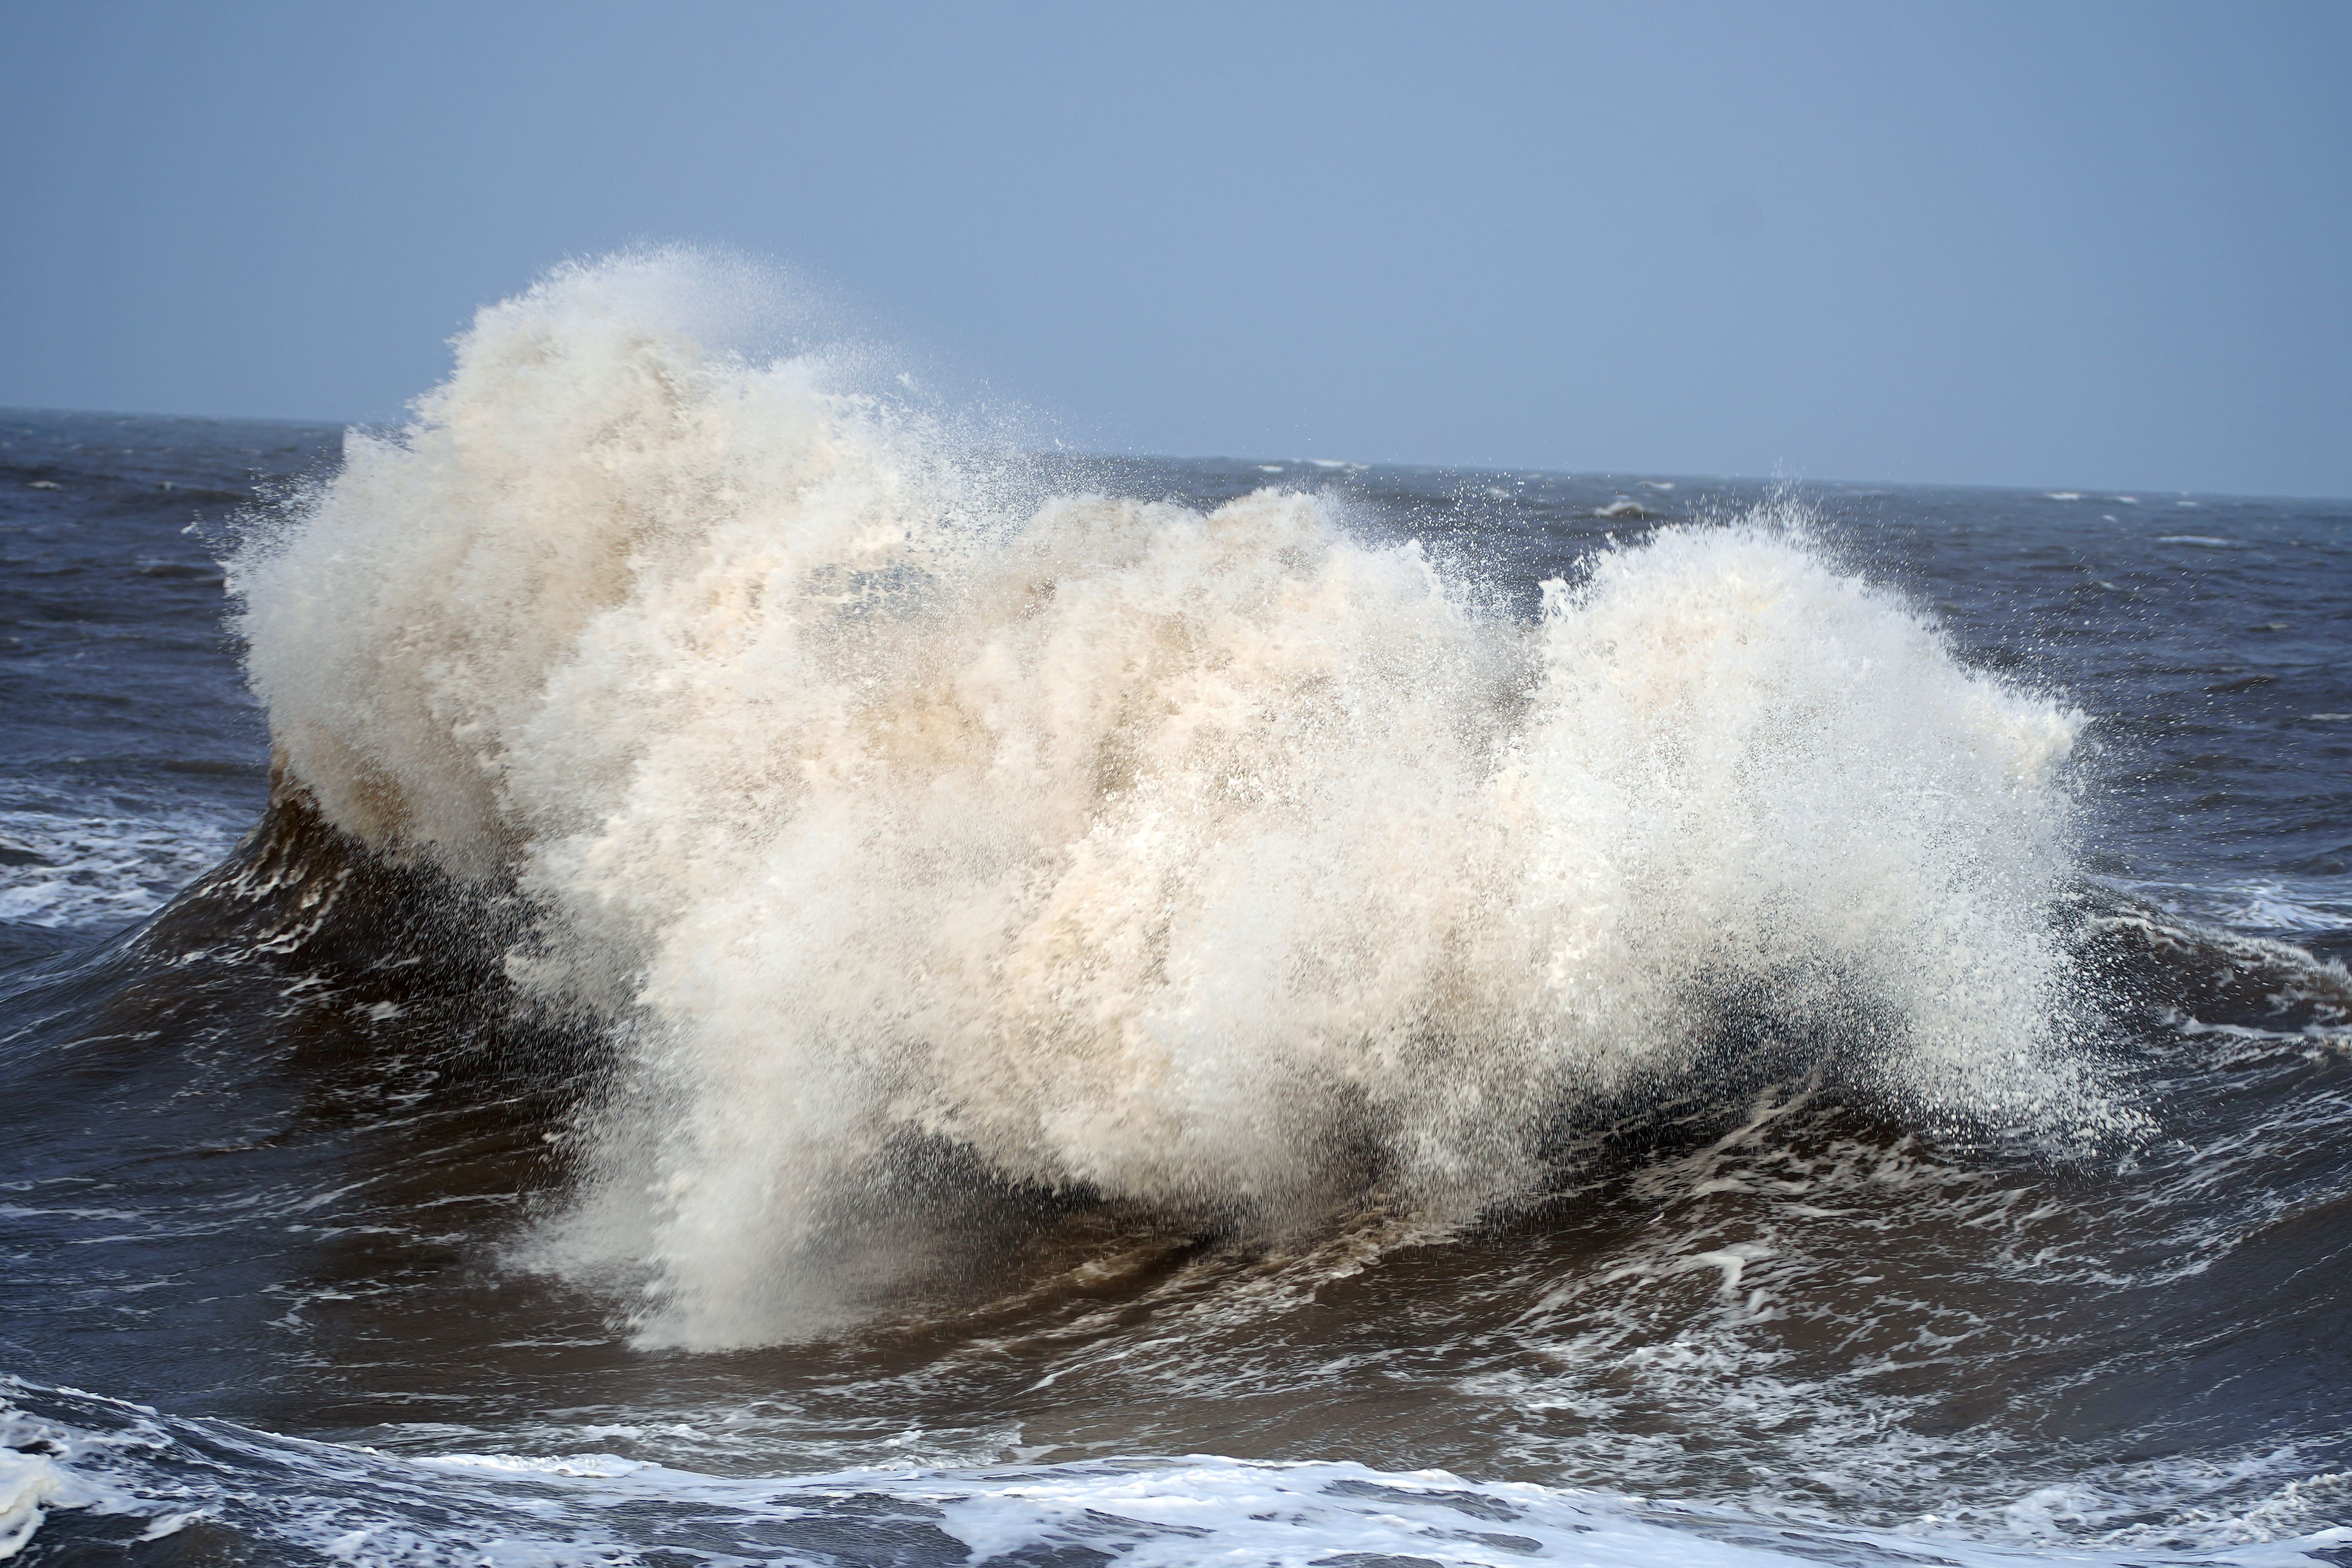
(1219, 862)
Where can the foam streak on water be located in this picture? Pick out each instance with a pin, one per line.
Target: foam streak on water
(66, 867)
(101, 1476)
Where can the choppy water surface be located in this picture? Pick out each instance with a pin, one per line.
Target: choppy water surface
(801, 997)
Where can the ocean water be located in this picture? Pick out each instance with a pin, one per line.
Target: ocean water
(683, 961)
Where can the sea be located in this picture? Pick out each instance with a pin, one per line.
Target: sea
(688, 959)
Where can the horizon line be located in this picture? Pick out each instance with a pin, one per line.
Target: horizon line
(2044, 492)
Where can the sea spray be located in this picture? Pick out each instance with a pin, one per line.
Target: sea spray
(1221, 862)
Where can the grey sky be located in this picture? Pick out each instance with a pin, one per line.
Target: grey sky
(2048, 244)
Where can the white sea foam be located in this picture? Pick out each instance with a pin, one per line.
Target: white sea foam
(1196, 860)
(67, 867)
(2263, 904)
(48, 1466)
(275, 1496)
(2269, 907)
(30, 1485)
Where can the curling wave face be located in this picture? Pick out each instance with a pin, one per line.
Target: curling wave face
(1235, 862)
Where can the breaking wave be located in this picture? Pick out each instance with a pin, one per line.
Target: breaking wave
(891, 810)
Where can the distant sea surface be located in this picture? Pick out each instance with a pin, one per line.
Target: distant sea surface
(740, 987)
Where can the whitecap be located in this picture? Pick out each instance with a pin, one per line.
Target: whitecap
(69, 869)
(1129, 847)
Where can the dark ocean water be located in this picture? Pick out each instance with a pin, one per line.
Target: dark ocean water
(278, 1129)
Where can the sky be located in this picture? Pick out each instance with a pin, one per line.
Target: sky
(2067, 243)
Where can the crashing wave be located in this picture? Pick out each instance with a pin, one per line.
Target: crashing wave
(1216, 861)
